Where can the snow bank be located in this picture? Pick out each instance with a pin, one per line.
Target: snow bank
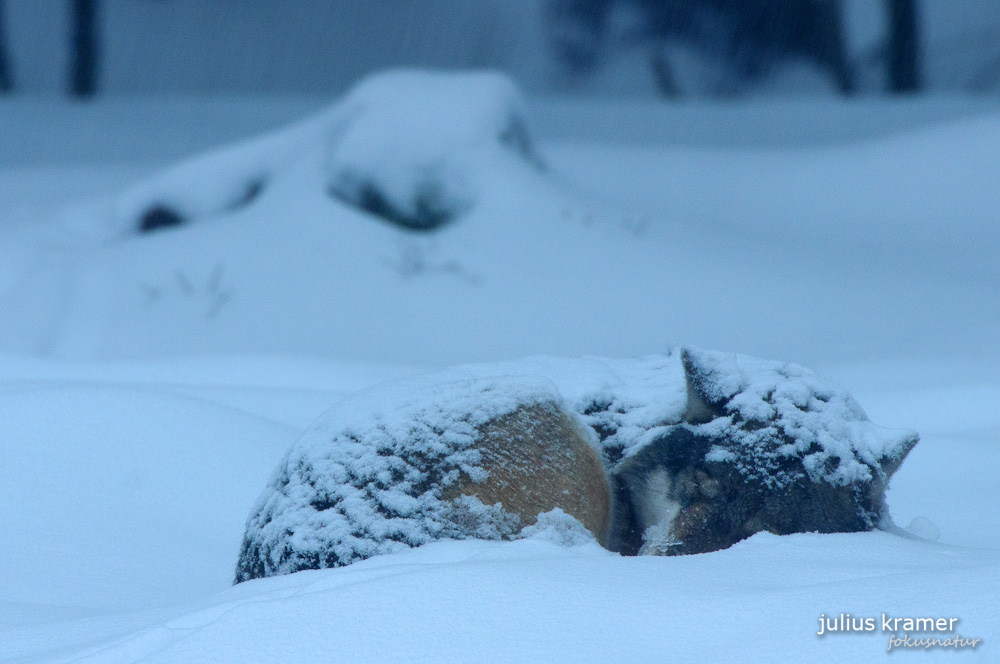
(406, 146)
(530, 601)
(280, 274)
(414, 148)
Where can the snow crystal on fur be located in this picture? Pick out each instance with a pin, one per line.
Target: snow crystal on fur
(769, 412)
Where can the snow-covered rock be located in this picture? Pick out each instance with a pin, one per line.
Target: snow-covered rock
(422, 460)
(407, 146)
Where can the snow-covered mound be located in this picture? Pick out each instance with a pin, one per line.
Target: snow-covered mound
(422, 460)
(265, 260)
(414, 147)
(405, 146)
(481, 450)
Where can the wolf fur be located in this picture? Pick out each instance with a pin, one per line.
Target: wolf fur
(538, 459)
(361, 495)
(679, 495)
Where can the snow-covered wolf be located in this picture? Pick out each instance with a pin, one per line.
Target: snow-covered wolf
(687, 452)
(763, 447)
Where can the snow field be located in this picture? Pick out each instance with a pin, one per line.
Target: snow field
(153, 381)
(170, 602)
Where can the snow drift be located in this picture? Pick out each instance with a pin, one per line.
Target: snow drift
(265, 260)
(414, 148)
(405, 146)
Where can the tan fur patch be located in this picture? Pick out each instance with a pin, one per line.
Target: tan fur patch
(538, 459)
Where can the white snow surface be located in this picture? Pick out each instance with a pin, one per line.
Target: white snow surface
(146, 393)
(418, 139)
(616, 249)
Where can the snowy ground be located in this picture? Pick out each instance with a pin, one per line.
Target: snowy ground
(141, 412)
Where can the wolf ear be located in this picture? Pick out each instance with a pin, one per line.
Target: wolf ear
(700, 408)
(698, 411)
(890, 462)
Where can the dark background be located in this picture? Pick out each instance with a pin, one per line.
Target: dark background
(668, 48)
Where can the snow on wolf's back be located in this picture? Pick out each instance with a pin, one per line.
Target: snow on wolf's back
(413, 462)
(681, 453)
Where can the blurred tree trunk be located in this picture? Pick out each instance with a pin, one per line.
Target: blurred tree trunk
(833, 51)
(85, 51)
(6, 76)
(904, 47)
(663, 74)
